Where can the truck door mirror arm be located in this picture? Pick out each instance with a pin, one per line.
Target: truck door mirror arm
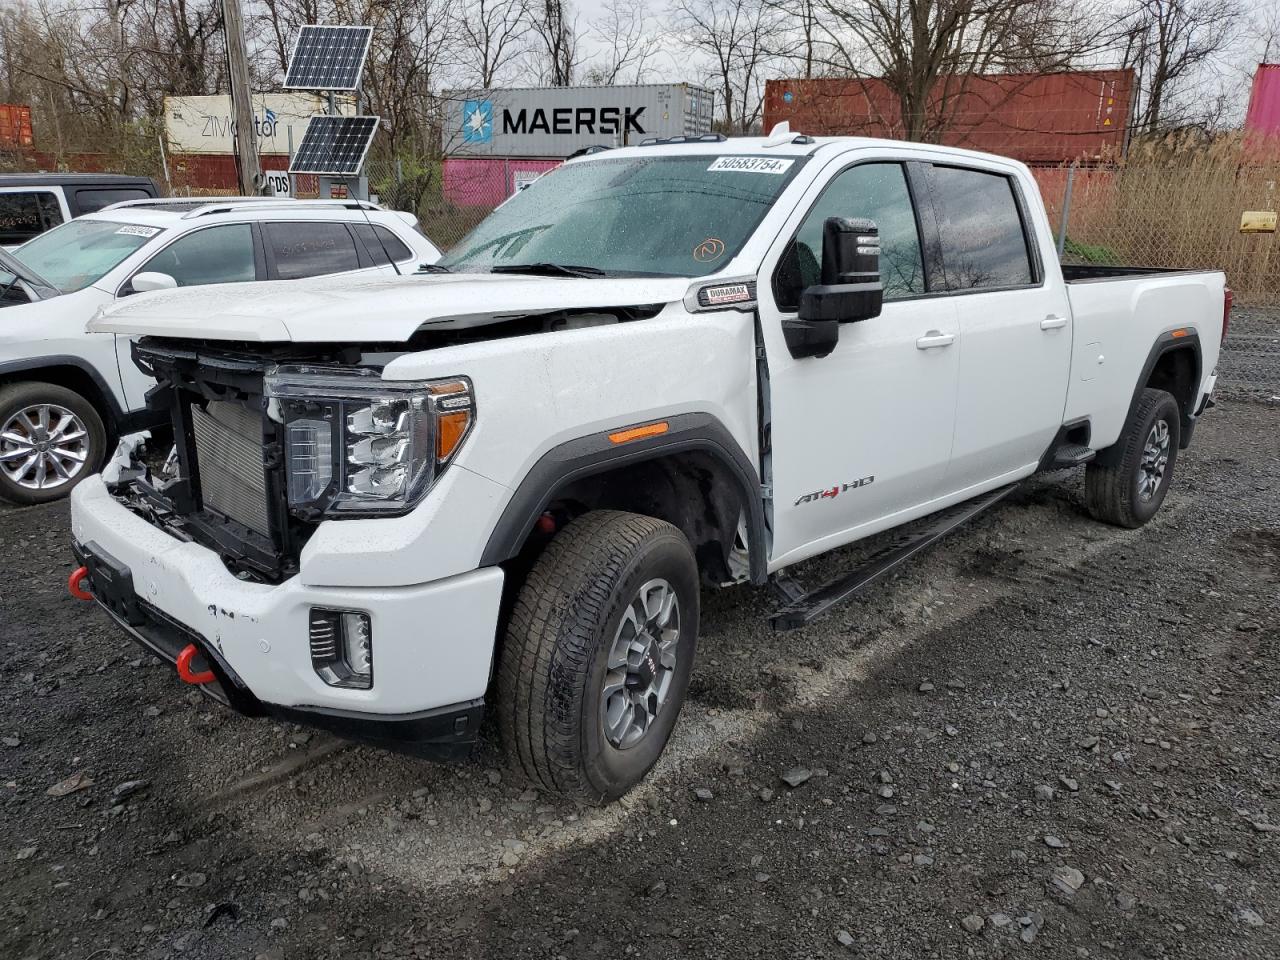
(850, 289)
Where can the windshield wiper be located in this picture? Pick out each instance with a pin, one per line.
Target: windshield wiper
(434, 268)
(549, 269)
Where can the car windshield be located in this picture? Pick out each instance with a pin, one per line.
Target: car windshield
(634, 216)
(79, 252)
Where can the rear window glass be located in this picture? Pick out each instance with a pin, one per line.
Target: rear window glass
(983, 242)
(308, 249)
(379, 243)
(91, 201)
(26, 214)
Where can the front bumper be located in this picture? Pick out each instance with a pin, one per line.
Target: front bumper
(433, 642)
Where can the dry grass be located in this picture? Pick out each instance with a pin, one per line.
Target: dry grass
(1178, 203)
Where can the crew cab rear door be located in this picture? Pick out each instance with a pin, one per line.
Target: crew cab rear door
(1014, 318)
(862, 435)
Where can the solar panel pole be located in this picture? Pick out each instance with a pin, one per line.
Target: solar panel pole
(246, 136)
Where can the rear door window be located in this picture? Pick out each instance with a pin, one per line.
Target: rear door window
(984, 241)
(27, 213)
(308, 249)
(222, 254)
(93, 200)
(379, 243)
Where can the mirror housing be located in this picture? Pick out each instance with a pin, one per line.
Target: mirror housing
(850, 289)
(150, 280)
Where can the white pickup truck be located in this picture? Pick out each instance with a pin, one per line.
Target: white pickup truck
(398, 502)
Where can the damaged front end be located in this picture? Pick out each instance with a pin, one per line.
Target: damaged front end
(223, 484)
(268, 442)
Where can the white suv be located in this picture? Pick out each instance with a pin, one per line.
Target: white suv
(64, 391)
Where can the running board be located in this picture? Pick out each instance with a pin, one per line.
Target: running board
(803, 608)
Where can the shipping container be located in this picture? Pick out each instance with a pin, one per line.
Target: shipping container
(487, 181)
(1263, 117)
(15, 127)
(205, 125)
(556, 121)
(1033, 117)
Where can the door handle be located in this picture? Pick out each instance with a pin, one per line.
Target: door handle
(1053, 322)
(935, 338)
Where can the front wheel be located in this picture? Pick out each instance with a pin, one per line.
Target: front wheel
(598, 653)
(1127, 484)
(51, 438)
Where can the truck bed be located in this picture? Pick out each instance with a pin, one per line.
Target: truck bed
(1090, 272)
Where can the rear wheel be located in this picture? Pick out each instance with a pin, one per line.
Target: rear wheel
(1127, 484)
(51, 438)
(598, 653)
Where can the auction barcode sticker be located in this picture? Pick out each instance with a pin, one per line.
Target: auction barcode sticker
(751, 164)
(139, 231)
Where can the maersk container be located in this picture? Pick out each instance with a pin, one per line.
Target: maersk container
(557, 121)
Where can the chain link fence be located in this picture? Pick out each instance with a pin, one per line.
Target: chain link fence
(1173, 208)
(450, 196)
(1181, 207)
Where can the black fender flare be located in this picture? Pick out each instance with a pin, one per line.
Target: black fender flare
(36, 364)
(595, 453)
(1182, 339)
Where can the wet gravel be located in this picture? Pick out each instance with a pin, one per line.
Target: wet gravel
(1045, 737)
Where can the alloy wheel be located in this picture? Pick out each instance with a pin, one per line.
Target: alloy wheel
(43, 446)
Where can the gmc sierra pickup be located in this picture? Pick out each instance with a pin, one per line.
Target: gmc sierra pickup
(499, 483)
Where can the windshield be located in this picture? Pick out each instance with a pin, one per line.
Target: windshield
(79, 252)
(635, 216)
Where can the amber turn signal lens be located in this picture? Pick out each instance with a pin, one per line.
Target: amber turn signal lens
(639, 433)
(450, 429)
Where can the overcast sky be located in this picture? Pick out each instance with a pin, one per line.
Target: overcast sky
(1232, 72)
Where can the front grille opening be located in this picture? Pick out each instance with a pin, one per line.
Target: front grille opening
(229, 456)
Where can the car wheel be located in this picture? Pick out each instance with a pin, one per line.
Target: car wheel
(1127, 483)
(598, 651)
(51, 438)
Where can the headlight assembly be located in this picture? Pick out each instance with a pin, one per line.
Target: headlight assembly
(358, 445)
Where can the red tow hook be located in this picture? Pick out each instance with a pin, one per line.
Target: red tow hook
(188, 654)
(79, 576)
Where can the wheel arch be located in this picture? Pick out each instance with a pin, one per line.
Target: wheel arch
(1175, 365)
(694, 475)
(71, 373)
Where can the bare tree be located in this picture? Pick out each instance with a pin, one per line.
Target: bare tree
(628, 43)
(555, 25)
(740, 39)
(1172, 42)
(493, 35)
(924, 50)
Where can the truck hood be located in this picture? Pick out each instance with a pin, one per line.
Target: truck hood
(367, 309)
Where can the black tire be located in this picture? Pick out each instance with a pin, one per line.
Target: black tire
(565, 620)
(1112, 482)
(15, 397)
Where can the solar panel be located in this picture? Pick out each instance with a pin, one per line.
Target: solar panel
(328, 58)
(334, 146)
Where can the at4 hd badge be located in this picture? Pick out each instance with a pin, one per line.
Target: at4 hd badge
(834, 492)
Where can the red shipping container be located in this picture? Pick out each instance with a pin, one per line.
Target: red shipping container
(487, 181)
(1263, 118)
(15, 127)
(1036, 118)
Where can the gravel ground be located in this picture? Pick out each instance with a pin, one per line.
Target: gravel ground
(1045, 737)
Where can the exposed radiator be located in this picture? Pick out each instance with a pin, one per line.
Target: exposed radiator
(233, 477)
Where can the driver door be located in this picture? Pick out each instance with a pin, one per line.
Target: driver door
(861, 438)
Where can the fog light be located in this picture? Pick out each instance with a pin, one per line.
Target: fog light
(342, 648)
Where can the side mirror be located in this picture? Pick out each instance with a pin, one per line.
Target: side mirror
(849, 291)
(148, 280)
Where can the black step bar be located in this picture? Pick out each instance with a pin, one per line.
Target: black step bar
(802, 608)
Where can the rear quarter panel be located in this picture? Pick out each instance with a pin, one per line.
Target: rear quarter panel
(1117, 322)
